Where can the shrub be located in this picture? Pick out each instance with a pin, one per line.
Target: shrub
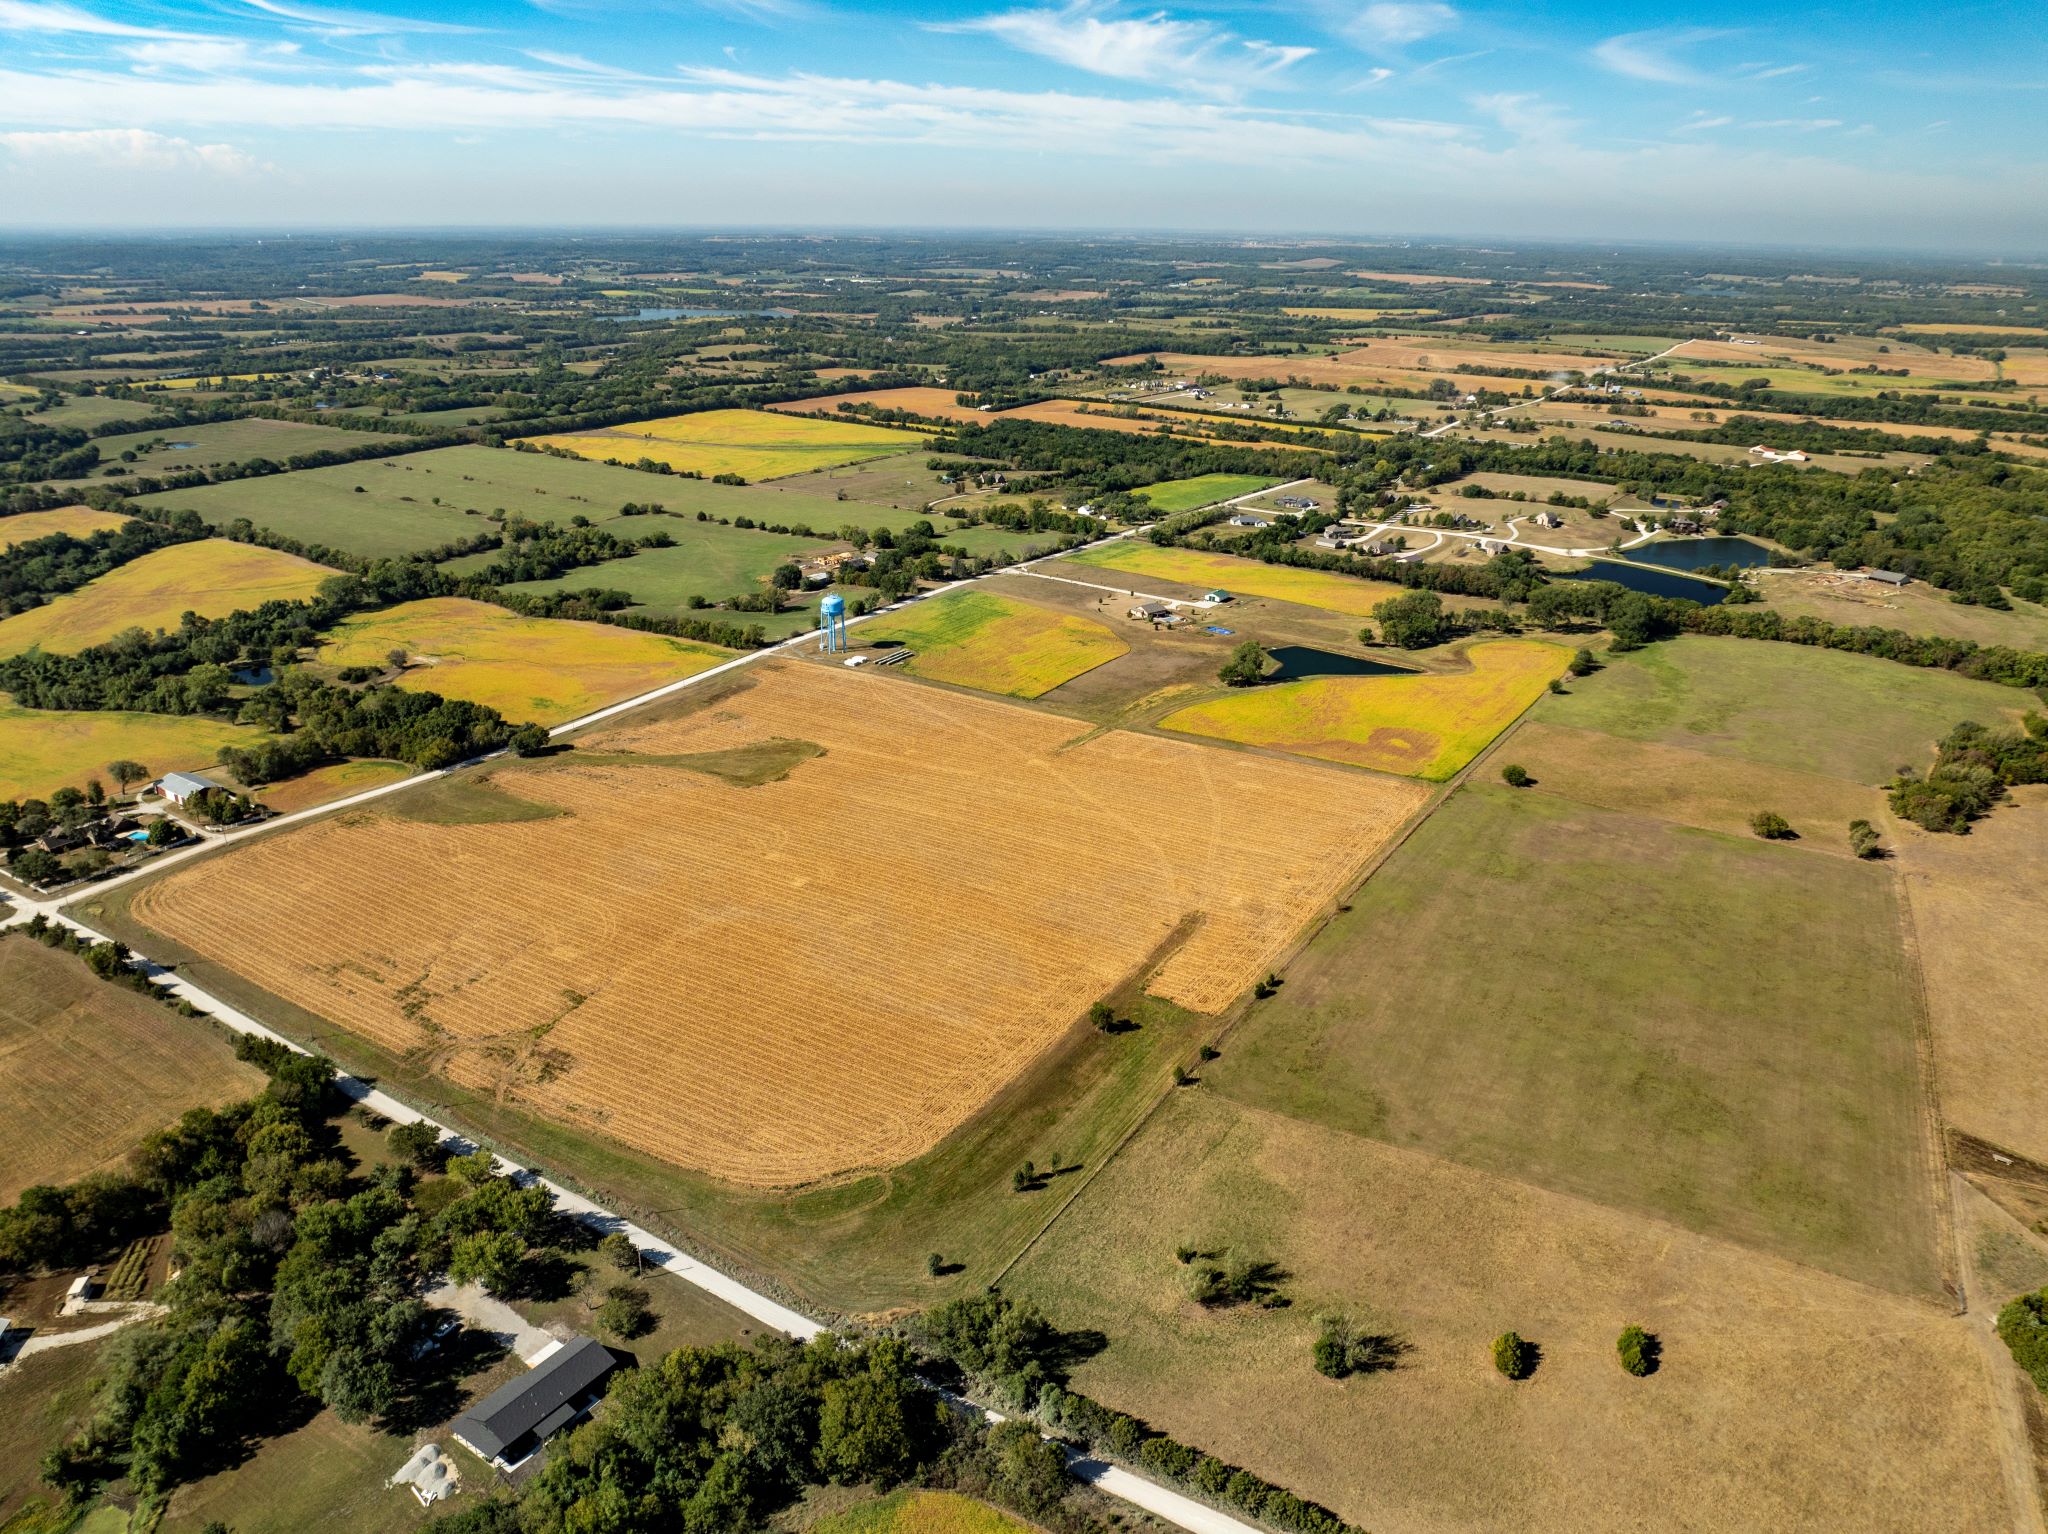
(2023, 1326)
(1863, 840)
(1331, 1352)
(1638, 1350)
(1512, 1355)
(1583, 663)
(1771, 826)
(1101, 1016)
(624, 1312)
(618, 1249)
(1514, 776)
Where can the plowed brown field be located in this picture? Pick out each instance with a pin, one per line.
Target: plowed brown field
(778, 983)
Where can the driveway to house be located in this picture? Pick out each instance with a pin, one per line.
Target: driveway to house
(482, 1313)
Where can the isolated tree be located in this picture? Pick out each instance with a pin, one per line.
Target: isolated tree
(1247, 664)
(528, 740)
(1637, 1350)
(398, 658)
(1514, 776)
(1863, 840)
(124, 772)
(1512, 1355)
(1771, 826)
(1101, 1015)
(618, 1249)
(1583, 663)
(625, 1313)
(935, 1264)
(163, 831)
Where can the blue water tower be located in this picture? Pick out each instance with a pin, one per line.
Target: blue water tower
(832, 623)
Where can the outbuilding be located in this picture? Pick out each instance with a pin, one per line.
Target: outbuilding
(181, 787)
(1889, 577)
(1151, 612)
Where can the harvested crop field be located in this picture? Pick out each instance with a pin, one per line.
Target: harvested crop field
(1426, 726)
(1240, 577)
(937, 404)
(78, 521)
(42, 750)
(915, 1511)
(87, 1069)
(710, 964)
(538, 670)
(996, 644)
(755, 444)
(1772, 1378)
(212, 577)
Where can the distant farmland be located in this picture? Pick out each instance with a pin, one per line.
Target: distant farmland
(755, 444)
(211, 577)
(712, 966)
(46, 749)
(1240, 577)
(78, 521)
(996, 644)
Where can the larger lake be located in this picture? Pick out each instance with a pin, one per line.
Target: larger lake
(1650, 580)
(1692, 553)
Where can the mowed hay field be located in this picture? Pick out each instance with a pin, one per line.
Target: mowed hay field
(1427, 726)
(171, 448)
(1713, 1030)
(706, 560)
(1203, 490)
(1813, 710)
(996, 644)
(722, 976)
(1980, 911)
(756, 444)
(42, 750)
(88, 1069)
(78, 521)
(538, 670)
(1240, 577)
(937, 404)
(1773, 1376)
(212, 577)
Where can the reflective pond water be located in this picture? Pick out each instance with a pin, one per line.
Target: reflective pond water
(1691, 553)
(1299, 661)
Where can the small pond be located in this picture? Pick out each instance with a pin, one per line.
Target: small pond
(1650, 580)
(1691, 553)
(1300, 661)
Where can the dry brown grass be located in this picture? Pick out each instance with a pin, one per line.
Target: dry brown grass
(87, 1069)
(1775, 1379)
(1717, 793)
(782, 982)
(1980, 913)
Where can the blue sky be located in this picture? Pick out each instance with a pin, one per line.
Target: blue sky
(1875, 124)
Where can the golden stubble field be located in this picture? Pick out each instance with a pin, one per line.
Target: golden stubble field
(778, 983)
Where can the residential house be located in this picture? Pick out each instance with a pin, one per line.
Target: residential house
(509, 1426)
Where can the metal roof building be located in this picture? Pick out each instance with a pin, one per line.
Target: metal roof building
(507, 1426)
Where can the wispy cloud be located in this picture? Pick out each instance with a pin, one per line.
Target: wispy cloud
(1526, 115)
(1156, 49)
(1701, 122)
(207, 55)
(349, 23)
(25, 16)
(1396, 23)
(1798, 124)
(127, 149)
(1772, 71)
(1652, 56)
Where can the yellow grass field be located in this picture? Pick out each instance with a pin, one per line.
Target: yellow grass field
(1959, 328)
(1425, 726)
(212, 577)
(1239, 577)
(997, 644)
(87, 1069)
(208, 380)
(42, 750)
(758, 444)
(539, 670)
(1339, 312)
(939, 404)
(922, 1512)
(78, 521)
(729, 977)
(324, 784)
(944, 405)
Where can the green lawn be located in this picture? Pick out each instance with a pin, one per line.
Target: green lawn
(1174, 495)
(418, 501)
(1847, 716)
(88, 410)
(707, 560)
(1707, 1028)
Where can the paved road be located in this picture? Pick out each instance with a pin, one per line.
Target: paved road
(1494, 412)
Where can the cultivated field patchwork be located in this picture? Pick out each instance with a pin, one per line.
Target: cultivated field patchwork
(42, 750)
(823, 971)
(78, 521)
(1240, 577)
(755, 444)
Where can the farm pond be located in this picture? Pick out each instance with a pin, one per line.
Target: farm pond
(1650, 580)
(1692, 553)
(1298, 662)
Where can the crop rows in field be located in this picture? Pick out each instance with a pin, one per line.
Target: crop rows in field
(755, 444)
(779, 983)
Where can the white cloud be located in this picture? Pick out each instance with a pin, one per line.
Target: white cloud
(1700, 122)
(26, 16)
(340, 23)
(1526, 115)
(1773, 71)
(206, 55)
(1649, 55)
(127, 149)
(1395, 22)
(1799, 124)
(1156, 49)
